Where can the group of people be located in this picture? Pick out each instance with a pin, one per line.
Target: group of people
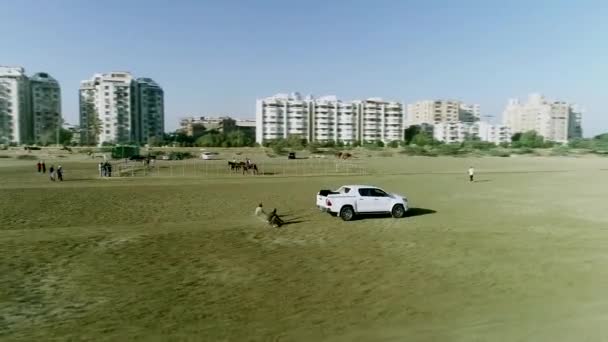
(105, 169)
(273, 218)
(54, 173)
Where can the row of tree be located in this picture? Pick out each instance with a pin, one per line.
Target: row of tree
(211, 138)
(414, 136)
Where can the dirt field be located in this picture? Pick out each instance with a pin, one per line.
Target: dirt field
(519, 255)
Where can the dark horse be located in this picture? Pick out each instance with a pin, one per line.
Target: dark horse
(234, 166)
(251, 166)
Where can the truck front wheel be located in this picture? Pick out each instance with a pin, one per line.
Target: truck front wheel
(398, 211)
(347, 213)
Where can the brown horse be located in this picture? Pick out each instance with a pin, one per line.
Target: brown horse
(343, 155)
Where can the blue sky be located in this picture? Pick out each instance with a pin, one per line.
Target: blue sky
(217, 57)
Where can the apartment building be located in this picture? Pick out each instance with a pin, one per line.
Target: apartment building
(46, 107)
(149, 109)
(437, 111)
(496, 134)
(555, 120)
(15, 112)
(328, 119)
(457, 132)
(116, 108)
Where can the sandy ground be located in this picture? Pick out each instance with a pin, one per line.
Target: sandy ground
(517, 256)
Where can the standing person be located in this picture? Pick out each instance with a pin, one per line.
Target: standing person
(43, 167)
(52, 173)
(60, 173)
(471, 174)
(39, 165)
(109, 170)
(100, 166)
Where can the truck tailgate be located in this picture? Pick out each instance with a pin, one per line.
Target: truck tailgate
(321, 202)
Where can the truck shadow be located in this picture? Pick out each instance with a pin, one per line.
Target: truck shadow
(412, 212)
(419, 212)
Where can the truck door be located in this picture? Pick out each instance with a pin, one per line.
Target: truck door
(365, 201)
(381, 201)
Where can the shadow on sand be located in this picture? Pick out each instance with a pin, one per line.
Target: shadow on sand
(419, 212)
(410, 213)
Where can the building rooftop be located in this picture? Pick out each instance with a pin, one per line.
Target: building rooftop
(11, 71)
(43, 77)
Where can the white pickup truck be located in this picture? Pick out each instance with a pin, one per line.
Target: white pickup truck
(351, 200)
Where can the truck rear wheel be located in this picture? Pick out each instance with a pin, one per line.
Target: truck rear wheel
(347, 213)
(398, 211)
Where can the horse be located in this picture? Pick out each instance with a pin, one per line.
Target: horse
(343, 155)
(234, 166)
(251, 166)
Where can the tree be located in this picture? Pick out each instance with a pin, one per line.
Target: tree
(531, 139)
(411, 132)
(516, 137)
(65, 136)
(603, 137)
(422, 139)
(393, 144)
(210, 140)
(238, 138)
(313, 147)
(278, 146)
(155, 141)
(295, 141)
(379, 143)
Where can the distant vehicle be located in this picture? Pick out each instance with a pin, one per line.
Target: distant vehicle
(292, 155)
(351, 200)
(210, 155)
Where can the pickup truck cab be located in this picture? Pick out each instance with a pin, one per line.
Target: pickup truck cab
(351, 200)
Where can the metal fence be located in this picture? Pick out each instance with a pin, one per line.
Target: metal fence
(220, 168)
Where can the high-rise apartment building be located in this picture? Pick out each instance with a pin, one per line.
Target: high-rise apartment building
(15, 112)
(328, 119)
(150, 123)
(46, 107)
(555, 120)
(116, 108)
(437, 111)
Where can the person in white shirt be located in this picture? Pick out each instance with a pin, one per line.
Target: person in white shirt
(259, 211)
(471, 174)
